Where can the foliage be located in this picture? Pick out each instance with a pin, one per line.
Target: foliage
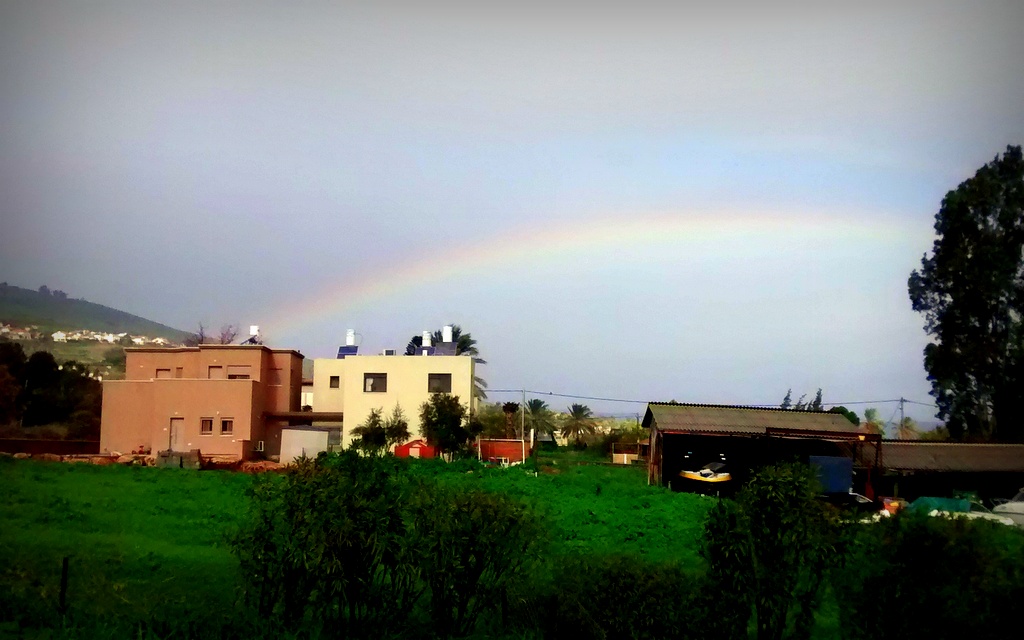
(949, 577)
(971, 293)
(618, 596)
(442, 423)
(578, 423)
(328, 544)
(779, 540)
(726, 597)
(872, 422)
(37, 391)
(227, 335)
(370, 435)
(801, 405)
(846, 413)
(539, 417)
(472, 547)
(377, 435)
(489, 420)
(907, 429)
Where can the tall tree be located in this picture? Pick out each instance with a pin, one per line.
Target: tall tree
(441, 422)
(578, 423)
(907, 429)
(539, 417)
(971, 292)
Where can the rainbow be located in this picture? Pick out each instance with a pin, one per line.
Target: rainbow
(565, 241)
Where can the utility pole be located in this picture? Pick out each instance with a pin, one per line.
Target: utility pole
(902, 400)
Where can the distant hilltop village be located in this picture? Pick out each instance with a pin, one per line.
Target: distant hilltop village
(32, 332)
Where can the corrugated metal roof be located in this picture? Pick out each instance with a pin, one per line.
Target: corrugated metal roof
(707, 418)
(950, 456)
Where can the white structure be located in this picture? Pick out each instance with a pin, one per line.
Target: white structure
(59, 336)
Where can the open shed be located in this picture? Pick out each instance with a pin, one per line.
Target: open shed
(915, 468)
(690, 436)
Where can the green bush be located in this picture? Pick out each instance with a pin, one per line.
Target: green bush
(915, 576)
(771, 549)
(327, 545)
(621, 597)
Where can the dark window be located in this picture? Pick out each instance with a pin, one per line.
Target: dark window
(206, 427)
(335, 382)
(375, 382)
(334, 438)
(439, 383)
(227, 426)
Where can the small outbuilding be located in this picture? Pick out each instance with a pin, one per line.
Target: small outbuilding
(714, 448)
(915, 468)
(415, 449)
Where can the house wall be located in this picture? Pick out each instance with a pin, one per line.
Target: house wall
(511, 450)
(407, 378)
(298, 442)
(138, 411)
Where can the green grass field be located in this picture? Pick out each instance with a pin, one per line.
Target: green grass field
(146, 541)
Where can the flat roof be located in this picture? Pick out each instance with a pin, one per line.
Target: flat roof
(211, 346)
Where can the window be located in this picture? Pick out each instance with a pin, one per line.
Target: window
(216, 373)
(238, 372)
(275, 377)
(439, 383)
(206, 427)
(227, 426)
(335, 382)
(179, 372)
(375, 382)
(163, 373)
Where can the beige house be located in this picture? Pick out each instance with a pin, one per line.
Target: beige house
(357, 384)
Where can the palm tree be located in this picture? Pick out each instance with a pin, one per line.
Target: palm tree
(907, 429)
(539, 417)
(465, 345)
(579, 423)
(872, 423)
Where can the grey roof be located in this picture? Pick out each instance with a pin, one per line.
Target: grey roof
(710, 418)
(952, 456)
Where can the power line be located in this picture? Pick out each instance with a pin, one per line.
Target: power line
(752, 406)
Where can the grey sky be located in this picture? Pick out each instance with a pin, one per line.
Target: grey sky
(223, 162)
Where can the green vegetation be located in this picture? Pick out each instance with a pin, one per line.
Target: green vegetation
(970, 292)
(51, 311)
(457, 550)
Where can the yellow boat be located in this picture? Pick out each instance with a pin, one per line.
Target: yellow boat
(710, 473)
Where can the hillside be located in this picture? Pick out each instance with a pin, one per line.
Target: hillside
(53, 311)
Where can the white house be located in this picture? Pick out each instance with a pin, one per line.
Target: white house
(59, 336)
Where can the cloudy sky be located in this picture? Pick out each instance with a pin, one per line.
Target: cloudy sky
(616, 199)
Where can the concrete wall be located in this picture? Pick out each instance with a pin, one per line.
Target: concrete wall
(406, 386)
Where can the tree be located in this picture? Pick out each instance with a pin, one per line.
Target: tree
(872, 423)
(846, 413)
(511, 411)
(396, 428)
(971, 293)
(197, 338)
(441, 422)
(539, 417)
(771, 548)
(907, 429)
(228, 333)
(370, 435)
(579, 423)
(787, 402)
